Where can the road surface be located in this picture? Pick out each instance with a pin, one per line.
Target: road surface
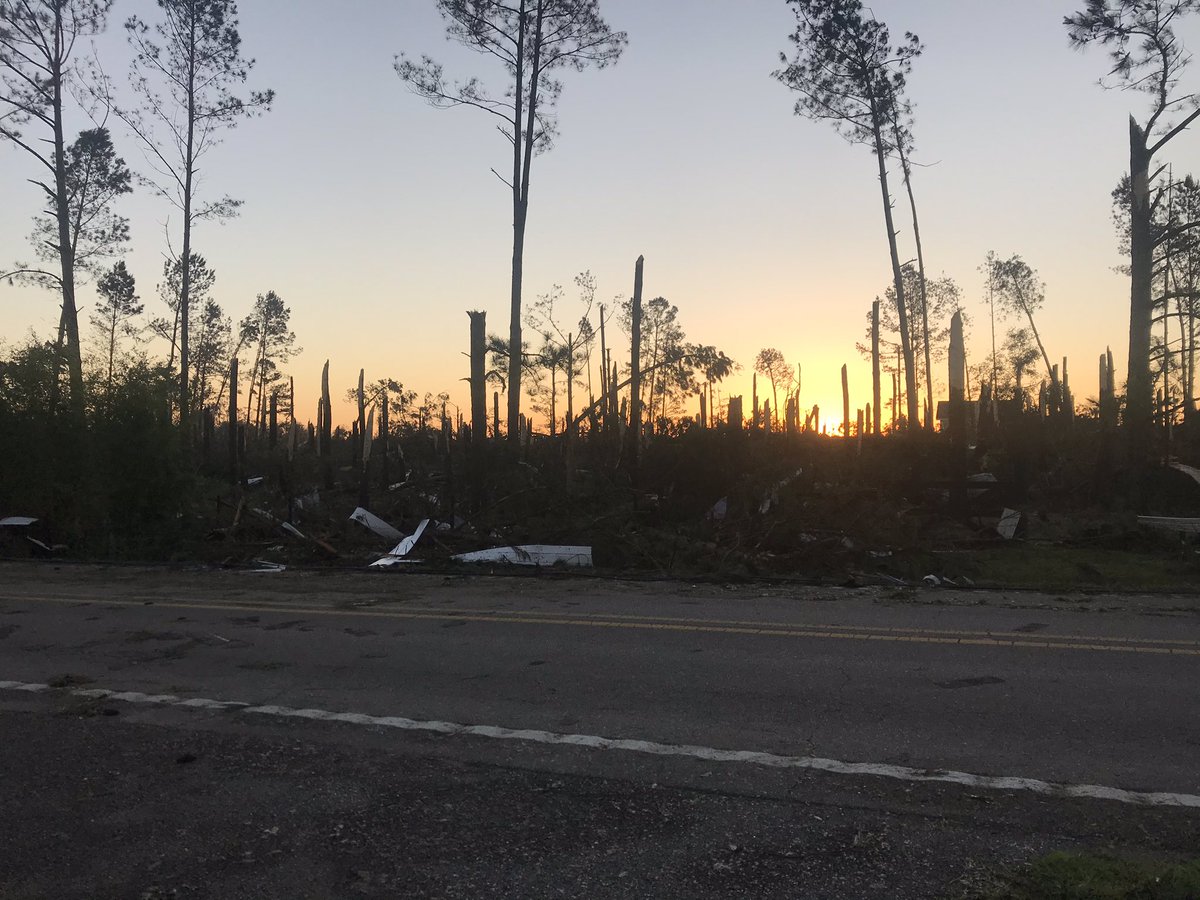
(222, 734)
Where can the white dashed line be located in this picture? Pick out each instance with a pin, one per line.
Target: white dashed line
(595, 742)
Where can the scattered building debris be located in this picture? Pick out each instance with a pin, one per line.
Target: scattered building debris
(311, 500)
(44, 547)
(719, 510)
(386, 562)
(1009, 520)
(374, 523)
(1170, 524)
(1190, 471)
(772, 497)
(881, 578)
(263, 566)
(980, 483)
(531, 555)
(289, 528)
(398, 553)
(39, 547)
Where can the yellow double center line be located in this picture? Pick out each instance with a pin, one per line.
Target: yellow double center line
(632, 621)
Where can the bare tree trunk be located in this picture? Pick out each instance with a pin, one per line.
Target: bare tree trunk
(326, 416)
(958, 412)
(604, 382)
(515, 355)
(569, 423)
(385, 439)
(1139, 418)
(255, 369)
(185, 286)
(1190, 383)
(906, 169)
(845, 403)
(234, 475)
(876, 387)
(478, 377)
(897, 274)
(112, 349)
(66, 255)
(635, 367)
(553, 397)
(522, 161)
(613, 398)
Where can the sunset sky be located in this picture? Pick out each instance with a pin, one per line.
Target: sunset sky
(377, 219)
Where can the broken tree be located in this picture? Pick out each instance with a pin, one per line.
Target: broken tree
(533, 40)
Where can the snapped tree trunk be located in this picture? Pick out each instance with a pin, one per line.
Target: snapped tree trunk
(635, 367)
(845, 403)
(1139, 420)
(478, 376)
(325, 418)
(958, 411)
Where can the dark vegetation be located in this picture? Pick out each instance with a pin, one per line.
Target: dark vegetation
(718, 502)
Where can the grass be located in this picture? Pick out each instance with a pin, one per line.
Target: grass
(1071, 876)
(1050, 567)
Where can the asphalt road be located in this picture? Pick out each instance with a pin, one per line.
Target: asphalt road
(410, 735)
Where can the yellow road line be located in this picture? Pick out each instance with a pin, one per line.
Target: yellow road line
(948, 632)
(625, 622)
(1017, 639)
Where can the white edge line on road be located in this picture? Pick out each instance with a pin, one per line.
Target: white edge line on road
(595, 742)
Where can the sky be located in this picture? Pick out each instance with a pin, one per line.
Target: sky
(378, 221)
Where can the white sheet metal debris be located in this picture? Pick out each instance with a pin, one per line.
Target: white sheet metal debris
(374, 523)
(1009, 520)
(402, 549)
(531, 555)
(386, 562)
(17, 521)
(1170, 524)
